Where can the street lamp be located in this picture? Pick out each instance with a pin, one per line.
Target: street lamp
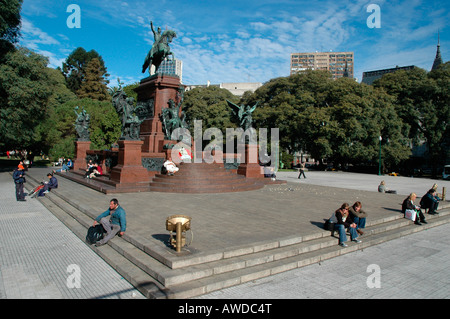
(379, 158)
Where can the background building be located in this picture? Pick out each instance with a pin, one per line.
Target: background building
(370, 76)
(340, 64)
(174, 67)
(236, 88)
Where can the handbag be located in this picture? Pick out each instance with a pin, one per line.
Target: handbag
(329, 225)
(410, 214)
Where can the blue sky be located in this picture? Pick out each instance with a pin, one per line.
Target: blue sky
(238, 41)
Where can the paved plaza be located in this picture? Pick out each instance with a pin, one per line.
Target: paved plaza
(413, 267)
(42, 258)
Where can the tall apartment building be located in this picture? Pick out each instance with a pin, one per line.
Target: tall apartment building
(174, 67)
(340, 64)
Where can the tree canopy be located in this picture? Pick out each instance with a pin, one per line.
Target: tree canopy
(94, 84)
(25, 89)
(9, 25)
(209, 106)
(421, 99)
(75, 68)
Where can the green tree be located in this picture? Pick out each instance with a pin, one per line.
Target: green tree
(209, 105)
(9, 25)
(74, 68)
(56, 131)
(105, 125)
(339, 120)
(24, 94)
(94, 84)
(421, 100)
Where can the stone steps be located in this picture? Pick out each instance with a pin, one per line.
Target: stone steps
(191, 178)
(160, 273)
(203, 178)
(102, 183)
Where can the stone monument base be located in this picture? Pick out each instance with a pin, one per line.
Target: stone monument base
(250, 167)
(129, 172)
(79, 162)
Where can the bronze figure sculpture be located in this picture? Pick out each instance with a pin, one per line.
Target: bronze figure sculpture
(82, 124)
(160, 49)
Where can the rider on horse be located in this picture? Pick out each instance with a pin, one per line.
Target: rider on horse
(160, 48)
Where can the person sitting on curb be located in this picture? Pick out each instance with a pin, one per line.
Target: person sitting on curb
(170, 167)
(358, 216)
(98, 171)
(65, 166)
(408, 203)
(430, 201)
(113, 221)
(48, 186)
(89, 169)
(383, 189)
(342, 220)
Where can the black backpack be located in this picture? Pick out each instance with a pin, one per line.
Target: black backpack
(328, 225)
(94, 234)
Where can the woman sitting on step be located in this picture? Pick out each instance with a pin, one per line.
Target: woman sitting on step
(342, 220)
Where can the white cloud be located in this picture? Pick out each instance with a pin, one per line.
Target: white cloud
(33, 37)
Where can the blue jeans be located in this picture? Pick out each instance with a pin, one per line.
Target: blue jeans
(342, 236)
(360, 222)
(64, 167)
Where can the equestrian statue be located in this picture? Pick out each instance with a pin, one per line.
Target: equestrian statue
(160, 49)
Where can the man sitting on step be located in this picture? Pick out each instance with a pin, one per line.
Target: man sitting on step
(113, 221)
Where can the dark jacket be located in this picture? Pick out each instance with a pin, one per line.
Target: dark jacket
(18, 176)
(407, 204)
(348, 221)
(53, 183)
(354, 213)
(428, 201)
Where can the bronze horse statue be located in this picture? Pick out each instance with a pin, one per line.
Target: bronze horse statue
(159, 51)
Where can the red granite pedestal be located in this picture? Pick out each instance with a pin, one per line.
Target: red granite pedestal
(250, 167)
(79, 161)
(158, 89)
(129, 172)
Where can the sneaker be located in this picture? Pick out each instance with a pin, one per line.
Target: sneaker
(343, 245)
(356, 240)
(46, 192)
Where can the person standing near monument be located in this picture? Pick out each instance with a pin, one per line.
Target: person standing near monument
(19, 179)
(113, 221)
(302, 170)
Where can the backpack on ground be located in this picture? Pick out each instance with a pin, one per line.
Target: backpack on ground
(329, 225)
(95, 233)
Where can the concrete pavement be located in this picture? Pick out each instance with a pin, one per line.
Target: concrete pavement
(413, 267)
(367, 182)
(40, 258)
(35, 263)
